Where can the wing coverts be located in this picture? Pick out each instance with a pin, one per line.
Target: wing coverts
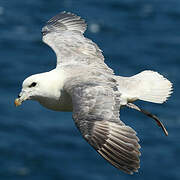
(96, 114)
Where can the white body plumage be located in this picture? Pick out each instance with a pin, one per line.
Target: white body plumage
(84, 84)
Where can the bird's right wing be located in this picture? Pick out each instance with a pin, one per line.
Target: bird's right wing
(65, 21)
(64, 34)
(96, 114)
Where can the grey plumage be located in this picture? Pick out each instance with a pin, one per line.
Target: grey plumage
(84, 84)
(96, 108)
(64, 33)
(96, 93)
(67, 21)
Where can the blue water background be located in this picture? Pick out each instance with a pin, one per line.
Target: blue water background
(39, 144)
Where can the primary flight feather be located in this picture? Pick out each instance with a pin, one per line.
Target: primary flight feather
(83, 84)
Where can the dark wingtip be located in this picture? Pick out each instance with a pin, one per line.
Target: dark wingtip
(67, 21)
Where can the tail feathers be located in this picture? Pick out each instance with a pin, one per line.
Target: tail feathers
(147, 86)
(155, 88)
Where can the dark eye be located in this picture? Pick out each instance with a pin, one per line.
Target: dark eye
(32, 84)
(44, 32)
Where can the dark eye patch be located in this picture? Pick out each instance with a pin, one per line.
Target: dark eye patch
(32, 84)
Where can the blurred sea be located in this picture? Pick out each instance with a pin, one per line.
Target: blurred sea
(39, 144)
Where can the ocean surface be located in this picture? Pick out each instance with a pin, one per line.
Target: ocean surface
(39, 144)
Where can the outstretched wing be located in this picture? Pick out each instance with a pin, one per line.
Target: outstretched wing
(64, 34)
(96, 114)
(64, 22)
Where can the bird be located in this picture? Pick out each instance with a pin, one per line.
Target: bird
(83, 84)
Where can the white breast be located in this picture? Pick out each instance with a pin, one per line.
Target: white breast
(51, 93)
(64, 103)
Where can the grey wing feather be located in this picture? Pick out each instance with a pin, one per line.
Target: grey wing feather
(65, 21)
(64, 34)
(96, 114)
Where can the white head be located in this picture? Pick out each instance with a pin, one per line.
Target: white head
(39, 86)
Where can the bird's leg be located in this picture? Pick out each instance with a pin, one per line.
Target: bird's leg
(133, 106)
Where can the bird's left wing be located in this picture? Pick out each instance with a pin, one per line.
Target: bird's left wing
(96, 114)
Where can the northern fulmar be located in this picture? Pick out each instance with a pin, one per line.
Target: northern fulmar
(83, 84)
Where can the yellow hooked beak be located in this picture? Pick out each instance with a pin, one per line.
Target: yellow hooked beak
(17, 102)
